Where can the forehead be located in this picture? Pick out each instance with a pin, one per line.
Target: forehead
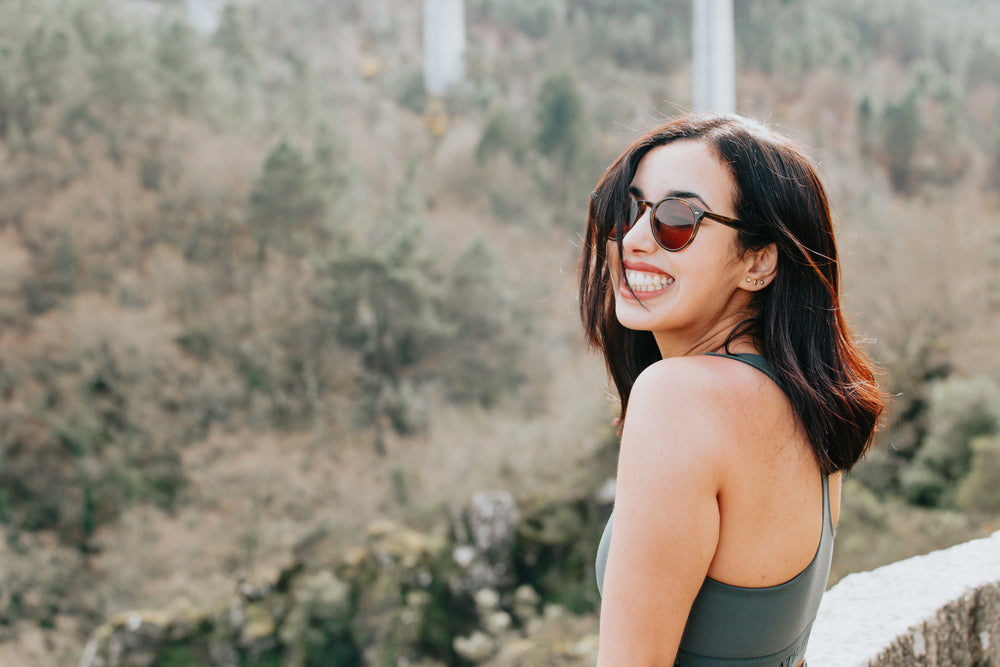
(686, 166)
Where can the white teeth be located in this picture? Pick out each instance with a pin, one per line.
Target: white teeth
(647, 282)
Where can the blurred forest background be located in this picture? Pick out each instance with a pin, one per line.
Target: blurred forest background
(259, 290)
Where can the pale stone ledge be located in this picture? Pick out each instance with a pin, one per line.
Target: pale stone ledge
(937, 610)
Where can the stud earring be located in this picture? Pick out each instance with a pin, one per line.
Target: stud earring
(748, 279)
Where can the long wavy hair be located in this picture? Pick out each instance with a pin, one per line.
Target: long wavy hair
(796, 321)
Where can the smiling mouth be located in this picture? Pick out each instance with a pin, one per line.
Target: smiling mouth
(640, 281)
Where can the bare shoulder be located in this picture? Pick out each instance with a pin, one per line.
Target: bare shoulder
(708, 393)
(709, 371)
(702, 373)
(690, 410)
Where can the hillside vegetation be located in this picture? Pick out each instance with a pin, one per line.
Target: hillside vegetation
(258, 289)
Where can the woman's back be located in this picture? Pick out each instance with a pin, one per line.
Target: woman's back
(769, 502)
(775, 534)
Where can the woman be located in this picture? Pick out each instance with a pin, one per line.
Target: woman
(709, 281)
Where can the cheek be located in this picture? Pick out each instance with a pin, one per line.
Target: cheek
(737, 253)
(722, 256)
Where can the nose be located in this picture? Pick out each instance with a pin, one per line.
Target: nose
(640, 237)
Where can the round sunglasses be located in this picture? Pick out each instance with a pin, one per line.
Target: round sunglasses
(674, 221)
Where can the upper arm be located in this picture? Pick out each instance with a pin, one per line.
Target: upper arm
(666, 516)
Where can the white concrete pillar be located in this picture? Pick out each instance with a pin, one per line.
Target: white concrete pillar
(444, 44)
(713, 58)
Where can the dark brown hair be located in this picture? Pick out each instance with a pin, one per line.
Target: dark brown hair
(796, 321)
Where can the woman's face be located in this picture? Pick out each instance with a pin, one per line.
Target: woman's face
(688, 298)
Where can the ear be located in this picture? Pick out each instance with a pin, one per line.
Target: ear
(762, 266)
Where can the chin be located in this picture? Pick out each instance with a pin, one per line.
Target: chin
(633, 316)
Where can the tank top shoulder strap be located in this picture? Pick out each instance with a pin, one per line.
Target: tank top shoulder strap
(751, 359)
(827, 512)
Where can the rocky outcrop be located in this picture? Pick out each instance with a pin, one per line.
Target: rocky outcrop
(498, 588)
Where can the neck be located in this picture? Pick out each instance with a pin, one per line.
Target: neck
(674, 345)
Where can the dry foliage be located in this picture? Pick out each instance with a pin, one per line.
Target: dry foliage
(249, 302)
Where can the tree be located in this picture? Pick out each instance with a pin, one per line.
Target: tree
(561, 122)
(285, 206)
(961, 410)
(901, 123)
(865, 126)
(118, 73)
(501, 134)
(232, 39)
(180, 68)
(386, 299)
(484, 360)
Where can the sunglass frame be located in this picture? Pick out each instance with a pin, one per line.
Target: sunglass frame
(697, 212)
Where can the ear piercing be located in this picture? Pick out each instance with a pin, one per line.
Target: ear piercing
(755, 281)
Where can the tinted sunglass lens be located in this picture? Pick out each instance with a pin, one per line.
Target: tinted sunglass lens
(674, 224)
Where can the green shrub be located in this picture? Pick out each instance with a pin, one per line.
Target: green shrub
(536, 18)
(178, 655)
(901, 128)
(486, 360)
(560, 119)
(554, 552)
(181, 72)
(983, 65)
(118, 67)
(875, 531)
(317, 631)
(285, 206)
(865, 119)
(915, 366)
(385, 300)
(500, 135)
(960, 411)
(979, 489)
(410, 91)
(233, 39)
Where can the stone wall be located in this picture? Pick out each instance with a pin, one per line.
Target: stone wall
(937, 610)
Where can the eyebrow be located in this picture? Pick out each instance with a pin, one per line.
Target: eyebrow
(679, 194)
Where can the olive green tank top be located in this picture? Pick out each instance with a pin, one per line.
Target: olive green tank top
(730, 626)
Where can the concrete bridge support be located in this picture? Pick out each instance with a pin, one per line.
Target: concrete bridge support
(713, 62)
